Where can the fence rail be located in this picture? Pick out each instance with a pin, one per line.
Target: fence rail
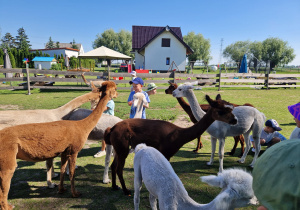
(45, 79)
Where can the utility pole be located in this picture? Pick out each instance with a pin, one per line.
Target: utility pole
(221, 52)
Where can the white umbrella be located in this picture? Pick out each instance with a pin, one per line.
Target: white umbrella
(7, 64)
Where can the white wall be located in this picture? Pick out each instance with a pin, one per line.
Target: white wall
(155, 54)
(139, 60)
(58, 52)
(44, 64)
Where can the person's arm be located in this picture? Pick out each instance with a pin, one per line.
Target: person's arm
(130, 99)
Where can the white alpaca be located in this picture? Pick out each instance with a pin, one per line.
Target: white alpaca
(151, 167)
(295, 133)
(249, 119)
(139, 100)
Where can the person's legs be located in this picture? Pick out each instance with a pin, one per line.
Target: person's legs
(275, 140)
(102, 152)
(103, 145)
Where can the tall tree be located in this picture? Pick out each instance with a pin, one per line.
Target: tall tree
(8, 41)
(57, 45)
(236, 51)
(200, 45)
(74, 46)
(120, 42)
(255, 51)
(21, 40)
(277, 51)
(50, 44)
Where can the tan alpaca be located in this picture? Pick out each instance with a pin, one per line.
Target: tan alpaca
(43, 141)
(18, 117)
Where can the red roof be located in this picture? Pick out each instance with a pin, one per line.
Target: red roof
(67, 48)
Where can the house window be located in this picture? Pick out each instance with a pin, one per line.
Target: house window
(165, 42)
(168, 61)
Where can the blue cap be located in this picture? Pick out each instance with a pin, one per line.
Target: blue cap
(138, 80)
(273, 124)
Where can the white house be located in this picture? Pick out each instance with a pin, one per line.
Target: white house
(156, 48)
(43, 62)
(64, 48)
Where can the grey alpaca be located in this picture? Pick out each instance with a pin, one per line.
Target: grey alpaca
(249, 119)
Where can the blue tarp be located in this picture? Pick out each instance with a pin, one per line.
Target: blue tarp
(243, 68)
(44, 59)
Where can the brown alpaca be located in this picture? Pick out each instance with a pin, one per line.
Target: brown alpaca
(205, 107)
(164, 136)
(18, 117)
(42, 141)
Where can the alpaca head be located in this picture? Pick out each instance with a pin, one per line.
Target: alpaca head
(139, 98)
(222, 110)
(109, 88)
(171, 88)
(183, 88)
(236, 187)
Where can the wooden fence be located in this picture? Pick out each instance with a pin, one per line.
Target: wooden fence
(50, 79)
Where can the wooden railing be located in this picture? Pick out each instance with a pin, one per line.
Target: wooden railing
(220, 80)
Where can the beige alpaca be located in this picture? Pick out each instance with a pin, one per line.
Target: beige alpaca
(43, 141)
(18, 117)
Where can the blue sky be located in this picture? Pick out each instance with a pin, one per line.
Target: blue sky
(232, 20)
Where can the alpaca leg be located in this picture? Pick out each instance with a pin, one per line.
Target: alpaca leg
(137, 185)
(109, 149)
(248, 146)
(256, 137)
(72, 164)
(213, 149)
(49, 164)
(242, 141)
(120, 167)
(221, 154)
(114, 173)
(7, 166)
(199, 145)
(64, 160)
(153, 201)
(236, 141)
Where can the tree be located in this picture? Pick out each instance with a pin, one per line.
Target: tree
(120, 42)
(255, 53)
(200, 45)
(21, 40)
(50, 44)
(12, 59)
(236, 51)
(8, 41)
(277, 52)
(74, 46)
(57, 45)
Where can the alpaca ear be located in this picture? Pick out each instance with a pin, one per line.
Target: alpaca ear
(213, 180)
(218, 97)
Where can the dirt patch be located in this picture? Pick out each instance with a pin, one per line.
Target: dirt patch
(182, 121)
(9, 107)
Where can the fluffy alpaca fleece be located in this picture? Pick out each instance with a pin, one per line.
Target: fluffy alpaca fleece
(151, 167)
(43, 141)
(249, 119)
(295, 133)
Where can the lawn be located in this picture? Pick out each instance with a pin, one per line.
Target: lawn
(28, 187)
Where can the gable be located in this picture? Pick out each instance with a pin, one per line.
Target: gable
(143, 35)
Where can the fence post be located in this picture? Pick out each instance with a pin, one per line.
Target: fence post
(28, 79)
(174, 76)
(219, 81)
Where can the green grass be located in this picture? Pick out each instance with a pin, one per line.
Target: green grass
(28, 187)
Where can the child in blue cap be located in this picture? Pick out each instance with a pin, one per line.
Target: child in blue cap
(269, 135)
(137, 85)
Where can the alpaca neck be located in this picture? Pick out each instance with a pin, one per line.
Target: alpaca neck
(196, 109)
(189, 134)
(91, 121)
(75, 103)
(186, 107)
(139, 109)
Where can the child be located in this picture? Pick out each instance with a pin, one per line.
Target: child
(109, 109)
(295, 111)
(151, 89)
(269, 135)
(137, 85)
